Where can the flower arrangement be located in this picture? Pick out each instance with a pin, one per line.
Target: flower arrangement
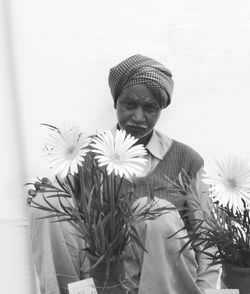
(223, 234)
(90, 173)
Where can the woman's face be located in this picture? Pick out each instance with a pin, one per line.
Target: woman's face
(137, 110)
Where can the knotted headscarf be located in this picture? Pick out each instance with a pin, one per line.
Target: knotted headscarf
(139, 69)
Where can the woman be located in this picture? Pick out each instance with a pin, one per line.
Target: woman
(141, 88)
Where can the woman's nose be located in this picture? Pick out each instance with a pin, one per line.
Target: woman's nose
(138, 115)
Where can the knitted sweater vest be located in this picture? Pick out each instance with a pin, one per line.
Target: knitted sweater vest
(179, 157)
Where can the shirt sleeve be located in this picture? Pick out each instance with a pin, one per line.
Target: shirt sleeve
(207, 276)
(56, 251)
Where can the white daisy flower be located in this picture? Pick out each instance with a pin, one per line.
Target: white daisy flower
(66, 149)
(119, 154)
(230, 182)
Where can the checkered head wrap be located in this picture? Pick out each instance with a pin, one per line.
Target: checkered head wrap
(139, 69)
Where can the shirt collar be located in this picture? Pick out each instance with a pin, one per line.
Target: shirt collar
(158, 144)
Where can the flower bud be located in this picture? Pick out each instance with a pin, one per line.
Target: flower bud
(37, 185)
(46, 181)
(29, 200)
(42, 188)
(32, 192)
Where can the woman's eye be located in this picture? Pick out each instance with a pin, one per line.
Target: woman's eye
(150, 108)
(129, 104)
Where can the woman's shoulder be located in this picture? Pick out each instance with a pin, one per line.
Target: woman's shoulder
(185, 147)
(185, 151)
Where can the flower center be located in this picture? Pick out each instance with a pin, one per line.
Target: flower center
(70, 150)
(116, 157)
(232, 182)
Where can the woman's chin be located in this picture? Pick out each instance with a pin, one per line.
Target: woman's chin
(137, 133)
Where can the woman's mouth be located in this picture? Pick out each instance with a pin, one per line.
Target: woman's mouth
(136, 130)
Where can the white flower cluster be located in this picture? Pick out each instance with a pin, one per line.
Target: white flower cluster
(229, 183)
(67, 149)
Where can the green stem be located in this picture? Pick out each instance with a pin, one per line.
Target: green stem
(112, 206)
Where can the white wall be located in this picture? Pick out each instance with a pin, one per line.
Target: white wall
(16, 271)
(64, 49)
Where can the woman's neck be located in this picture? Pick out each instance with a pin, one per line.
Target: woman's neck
(144, 140)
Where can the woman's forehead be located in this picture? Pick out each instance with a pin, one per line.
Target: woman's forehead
(138, 92)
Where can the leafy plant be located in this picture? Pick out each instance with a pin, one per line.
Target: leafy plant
(222, 233)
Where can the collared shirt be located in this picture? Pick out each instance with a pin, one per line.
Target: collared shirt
(59, 259)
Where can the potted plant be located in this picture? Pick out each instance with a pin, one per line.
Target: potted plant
(223, 233)
(89, 176)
